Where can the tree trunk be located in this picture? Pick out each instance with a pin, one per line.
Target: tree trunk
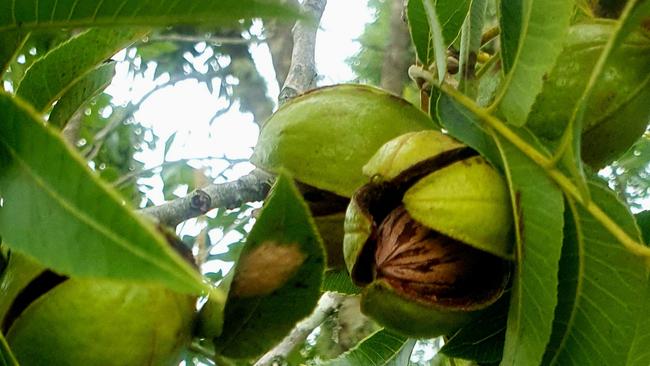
(394, 70)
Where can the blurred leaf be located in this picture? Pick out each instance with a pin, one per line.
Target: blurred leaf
(602, 289)
(452, 14)
(10, 44)
(511, 14)
(277, 278)
(31, 14)
(367, 62)
(470, 44)
(56, 72)
(169, 143)
(80, 93)
(383, 348)
(214, 276)
(482, 340)
(6, 357)
(524, 23)
(339, 281)
(420, 31)
(226, 219)
(176, 174)
(233, 253)
(153, 50)
(56, 211)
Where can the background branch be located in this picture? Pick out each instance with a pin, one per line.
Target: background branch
(327, 305)
(249, 188)
(302, 73)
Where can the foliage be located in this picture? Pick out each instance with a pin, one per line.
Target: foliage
(69, 180)
(366, 63)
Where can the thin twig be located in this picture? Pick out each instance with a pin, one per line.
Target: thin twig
(249, 188)
(302, 74)
(328, 304)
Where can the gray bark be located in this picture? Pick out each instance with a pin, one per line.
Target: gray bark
(394, 70)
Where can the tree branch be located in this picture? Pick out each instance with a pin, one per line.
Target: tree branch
(327, 305)
(254, 186)
(302, 74)
(249, 188)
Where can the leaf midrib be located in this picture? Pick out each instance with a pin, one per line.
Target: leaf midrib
(75, 212)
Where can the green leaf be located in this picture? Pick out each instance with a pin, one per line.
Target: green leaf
(6, 357)
(10, 44)
(539, 44)
(462, 124)
(383, 348)
(451, 14)
(470, 44)
(339, 281)
(80, 93)
(439, 46)
(277, 278)
(450, 17)
(34, 14)
(59, 213)
(56, 72)
(640, 352)
(537, 207)
(420, 31)
(510, 21)
(602, 289)
(643, 221)
(481, 340)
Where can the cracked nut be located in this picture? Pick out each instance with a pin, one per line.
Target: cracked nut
(429, 238)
